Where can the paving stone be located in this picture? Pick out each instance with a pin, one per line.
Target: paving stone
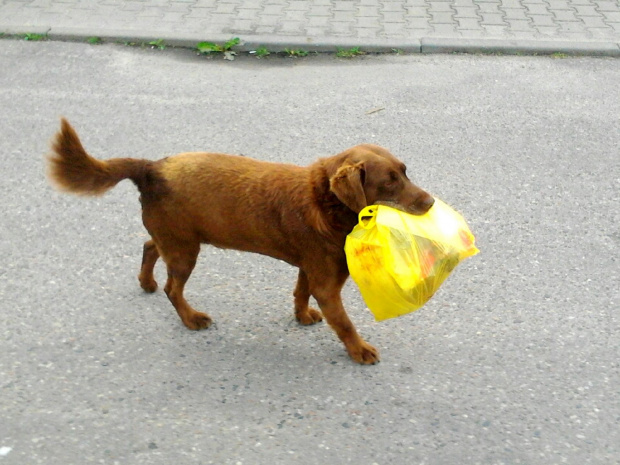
(417, 11)
(493, 19)
(515, 14)
(466, 12)
(564, 15)
(468, 23)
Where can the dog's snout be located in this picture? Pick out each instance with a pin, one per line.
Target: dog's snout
(425, 202)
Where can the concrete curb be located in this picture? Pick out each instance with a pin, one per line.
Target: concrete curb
(425, 45)
(517, 47)
(248, 43)
(331, 44)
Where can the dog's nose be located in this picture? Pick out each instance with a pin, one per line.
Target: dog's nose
(426, 202)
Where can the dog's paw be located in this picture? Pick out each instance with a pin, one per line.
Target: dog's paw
(150, 286)
(364, 354)
(310, 317)
(198, 321)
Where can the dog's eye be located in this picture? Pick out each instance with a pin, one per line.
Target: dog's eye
(391, 182)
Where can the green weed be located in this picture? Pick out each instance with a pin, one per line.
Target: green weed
(207, 48)
(35, 37)
(262, 52)
(295, 52)
(349, 53)
(211, 47)
(158, 43)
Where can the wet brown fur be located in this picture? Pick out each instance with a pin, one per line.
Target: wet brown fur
(301, 215)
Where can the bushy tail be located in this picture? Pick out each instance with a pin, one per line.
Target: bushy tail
(74, 170)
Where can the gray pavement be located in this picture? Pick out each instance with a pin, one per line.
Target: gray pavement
(514, 361)
(590, 27)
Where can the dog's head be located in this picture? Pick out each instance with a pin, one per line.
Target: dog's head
(368, 175)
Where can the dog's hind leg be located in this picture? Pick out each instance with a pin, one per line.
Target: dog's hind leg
(180, 261)
(150, 254)
(303, 313)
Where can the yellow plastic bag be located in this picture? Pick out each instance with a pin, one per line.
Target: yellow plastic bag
(399, 260)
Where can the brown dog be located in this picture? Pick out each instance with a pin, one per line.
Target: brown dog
(301, 215)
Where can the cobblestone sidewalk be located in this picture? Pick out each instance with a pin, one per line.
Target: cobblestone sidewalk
(581, 26)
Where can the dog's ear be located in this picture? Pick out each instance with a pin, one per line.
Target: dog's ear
(348, 185)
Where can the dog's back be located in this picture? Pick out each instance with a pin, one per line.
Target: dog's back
(234, 201)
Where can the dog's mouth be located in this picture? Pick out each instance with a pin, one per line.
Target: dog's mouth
(415, 209)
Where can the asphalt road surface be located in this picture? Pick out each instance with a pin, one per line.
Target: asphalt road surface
(514, 361)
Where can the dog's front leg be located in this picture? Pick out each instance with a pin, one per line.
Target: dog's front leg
(325, 288)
